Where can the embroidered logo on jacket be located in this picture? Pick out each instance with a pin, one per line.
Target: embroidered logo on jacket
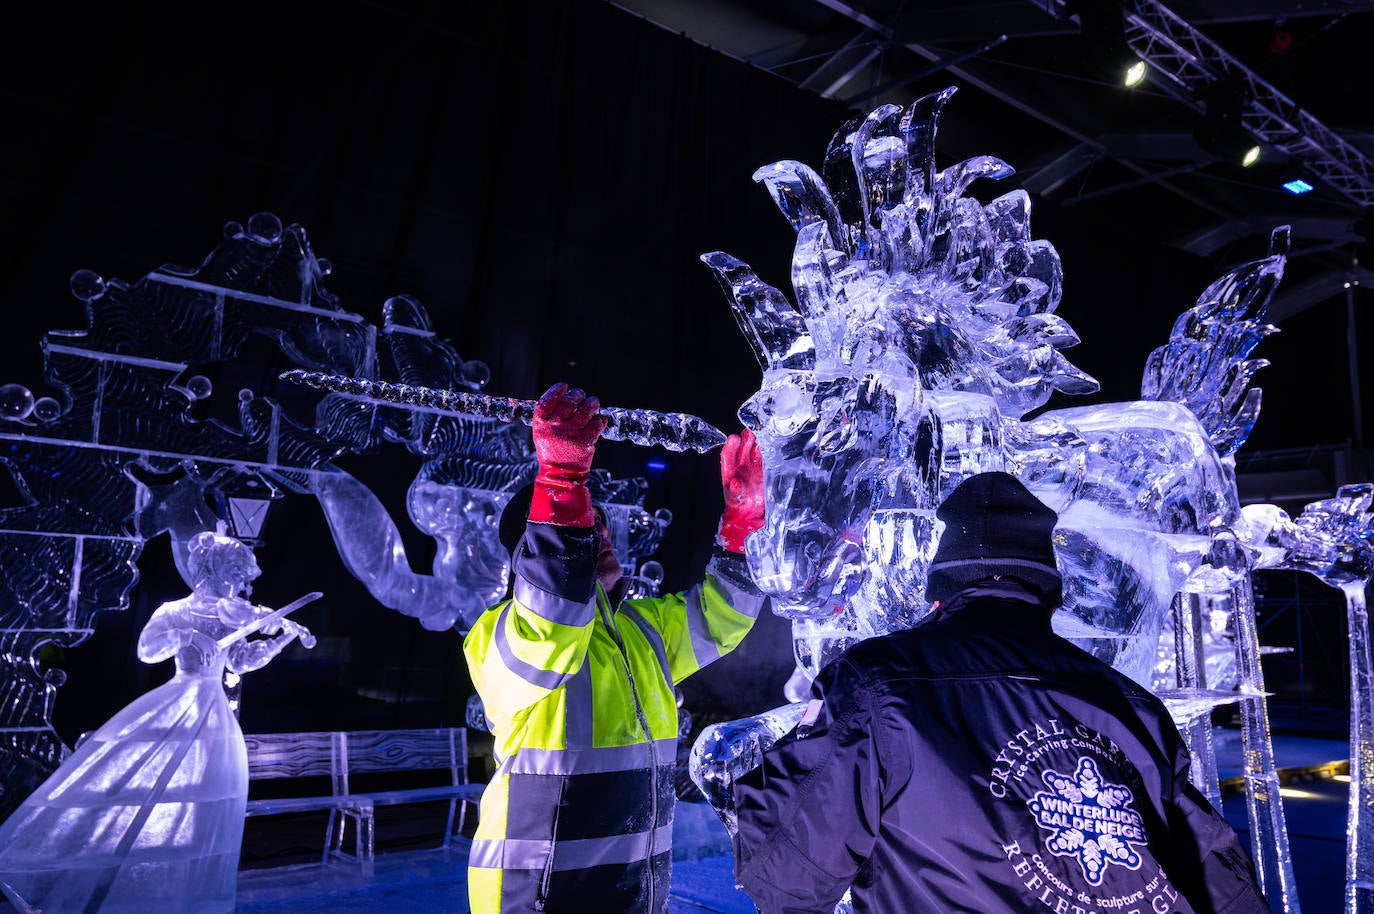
(1075, 841)
(1089, 819)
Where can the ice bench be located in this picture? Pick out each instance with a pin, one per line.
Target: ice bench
(339, 754)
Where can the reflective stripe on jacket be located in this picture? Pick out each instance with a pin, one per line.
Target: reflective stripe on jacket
(579, 695)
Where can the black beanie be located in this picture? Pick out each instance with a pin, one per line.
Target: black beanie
(994, 528)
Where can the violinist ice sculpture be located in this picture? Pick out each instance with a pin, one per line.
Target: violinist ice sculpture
(923, 333)
(164, 413)
(147, 813)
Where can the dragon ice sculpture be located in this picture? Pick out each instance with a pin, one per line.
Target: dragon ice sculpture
(923, 336)
(925, 331)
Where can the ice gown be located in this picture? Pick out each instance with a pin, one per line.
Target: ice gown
(147, 813)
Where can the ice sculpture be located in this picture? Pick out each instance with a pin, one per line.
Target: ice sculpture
(471, 465)
(1333, 540)
(166, 415)
(924, 332)
(147, 813)
(645, 427)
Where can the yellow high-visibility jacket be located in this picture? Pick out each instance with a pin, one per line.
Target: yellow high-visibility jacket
(579, 697)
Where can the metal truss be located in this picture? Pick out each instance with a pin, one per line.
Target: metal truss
(1193, 62)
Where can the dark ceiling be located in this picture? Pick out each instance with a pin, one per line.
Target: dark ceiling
(1292, 77)
(440, 149)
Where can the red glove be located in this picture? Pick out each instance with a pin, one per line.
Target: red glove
(566, 426)
(741, 476)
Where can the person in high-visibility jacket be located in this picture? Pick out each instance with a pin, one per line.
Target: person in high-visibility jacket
(578, 687)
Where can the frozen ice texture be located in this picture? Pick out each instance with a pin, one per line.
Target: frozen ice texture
(147, 812)
(674, 431)
(724, 751)
(924, 333)
(164, 416)
(157, 421)
(1333, 540)
(469, 468)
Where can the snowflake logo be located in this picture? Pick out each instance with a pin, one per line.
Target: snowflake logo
(1089, 819)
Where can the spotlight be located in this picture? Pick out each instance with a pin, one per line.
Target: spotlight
(1103, 30)
(1220, 130)
(1297, 186)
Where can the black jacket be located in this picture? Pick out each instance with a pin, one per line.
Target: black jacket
(980, 763)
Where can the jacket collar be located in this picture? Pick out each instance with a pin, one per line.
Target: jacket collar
(1007, 590)
(612, 598)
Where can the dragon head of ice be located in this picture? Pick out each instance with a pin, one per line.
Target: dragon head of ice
(922, 318)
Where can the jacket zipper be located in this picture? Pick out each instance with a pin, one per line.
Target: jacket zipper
(546, 880)
(608, 617)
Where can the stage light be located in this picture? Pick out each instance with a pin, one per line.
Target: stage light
(1297, 186)
(1221, 130)
(1103, 30)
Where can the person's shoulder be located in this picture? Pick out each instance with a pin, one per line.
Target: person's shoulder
(874, 649)
(928, 636)
(867, 663)
(483, 626)
(1109, 680)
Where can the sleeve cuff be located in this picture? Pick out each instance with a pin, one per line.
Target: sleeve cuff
(559, 561)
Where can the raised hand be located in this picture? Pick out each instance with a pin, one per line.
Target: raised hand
(741, 477)
(567, 424)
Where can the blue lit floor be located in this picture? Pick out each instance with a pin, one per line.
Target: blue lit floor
(282, 875)
(1314, 807)
(429, 881)
(1316, 835)
(433, 880)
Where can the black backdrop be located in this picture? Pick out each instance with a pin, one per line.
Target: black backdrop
(543, 177)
